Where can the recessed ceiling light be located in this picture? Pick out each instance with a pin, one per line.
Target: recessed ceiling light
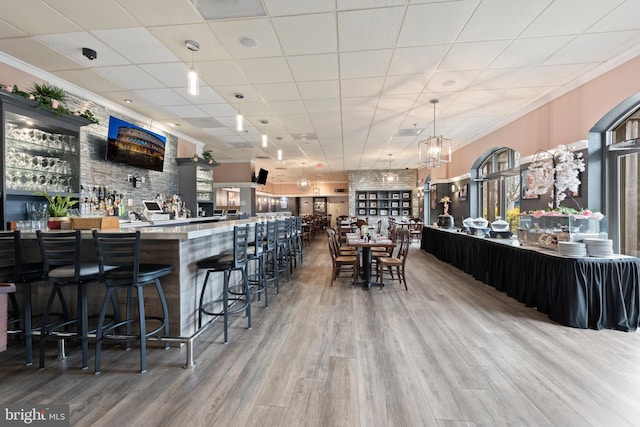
(449, 83)
(177, 125)
(128, 101)
(248, 42)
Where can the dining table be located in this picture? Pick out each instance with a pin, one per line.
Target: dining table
(365, 244)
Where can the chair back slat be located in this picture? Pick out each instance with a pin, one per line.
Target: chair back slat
(118, 250)
(240, 245)
(59, 250)
(10, 253)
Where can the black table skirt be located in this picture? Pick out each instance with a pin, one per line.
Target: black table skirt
(580, 292)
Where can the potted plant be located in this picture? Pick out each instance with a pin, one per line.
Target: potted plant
(58, 209)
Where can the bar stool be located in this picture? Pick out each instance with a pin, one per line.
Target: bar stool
(283, 243)
(121, 268)
(14, 270)
(63, 267)
(271, 255)
(257, 276)
(296, 235)
(238, 294)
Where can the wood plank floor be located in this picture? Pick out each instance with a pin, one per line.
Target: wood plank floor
(449, 352)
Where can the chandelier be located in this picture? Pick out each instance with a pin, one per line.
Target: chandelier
(303, 183)
(435, 150)
(390, 177)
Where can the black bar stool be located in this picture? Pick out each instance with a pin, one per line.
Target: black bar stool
(283, 242)
(271, 255)
(296, 236)
(14, 270)
(256, 272)
(239, 293)
(121, 268)
(63, 267)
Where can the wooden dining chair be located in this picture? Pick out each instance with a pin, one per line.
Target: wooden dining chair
(342, 263)
(394, 267)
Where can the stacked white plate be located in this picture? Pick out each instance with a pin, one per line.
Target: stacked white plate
(572, 249)
(599, 247)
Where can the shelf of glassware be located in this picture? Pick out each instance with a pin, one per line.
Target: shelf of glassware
(384, 203)
(204, 184)
(40, 164)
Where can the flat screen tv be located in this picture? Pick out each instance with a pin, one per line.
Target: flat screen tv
(262, 177)
(135, 146)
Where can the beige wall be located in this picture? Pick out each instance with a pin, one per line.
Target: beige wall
(563, 121)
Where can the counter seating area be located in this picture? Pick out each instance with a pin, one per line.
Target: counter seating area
(168, 257)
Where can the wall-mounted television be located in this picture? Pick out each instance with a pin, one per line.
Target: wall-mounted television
(135, 146)
(262, 177)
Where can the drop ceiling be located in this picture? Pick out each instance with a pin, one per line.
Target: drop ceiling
(342, 83)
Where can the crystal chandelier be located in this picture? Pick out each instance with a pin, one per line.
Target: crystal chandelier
(303, 183)
(435, 150)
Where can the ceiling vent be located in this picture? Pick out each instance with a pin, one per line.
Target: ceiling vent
(409, 132)
(340, 190)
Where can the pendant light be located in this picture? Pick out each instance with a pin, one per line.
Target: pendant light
(279, 154)
(390, 178)
(435, 150)
(303, 183)
(265, 139)
(193, 80)
(239, 118)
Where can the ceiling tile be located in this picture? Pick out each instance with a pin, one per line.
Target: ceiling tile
(186, 111)
(297, 7)
(590, 48)
(529, 52)
(495, 20)
(138, 45)
(129, 76)
(278, 91)
(175, 36)
(471, 56)
(161, 12)
(416, 60)
(364, 64)
(322, 105)
(230, 32)
(218, 110)
(319, 34)
(89, 79)
(71, 44)
(172, 74)
(430, 24)
(314, 67)
(221, 73)
(319, 90)
(355, 28)
(96, 15)
(9, 31)
(29, 16)
(37, 53)
(266, 70)
(350, 88)
(555, 21)
(162, 97)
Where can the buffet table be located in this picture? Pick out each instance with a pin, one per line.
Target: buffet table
(580, 292)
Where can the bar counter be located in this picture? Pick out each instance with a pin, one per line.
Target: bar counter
(180, 245)
(579, 292)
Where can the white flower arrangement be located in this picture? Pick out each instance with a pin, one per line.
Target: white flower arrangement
(558, 171)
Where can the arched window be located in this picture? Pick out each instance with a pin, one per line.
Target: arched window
(498, 185)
